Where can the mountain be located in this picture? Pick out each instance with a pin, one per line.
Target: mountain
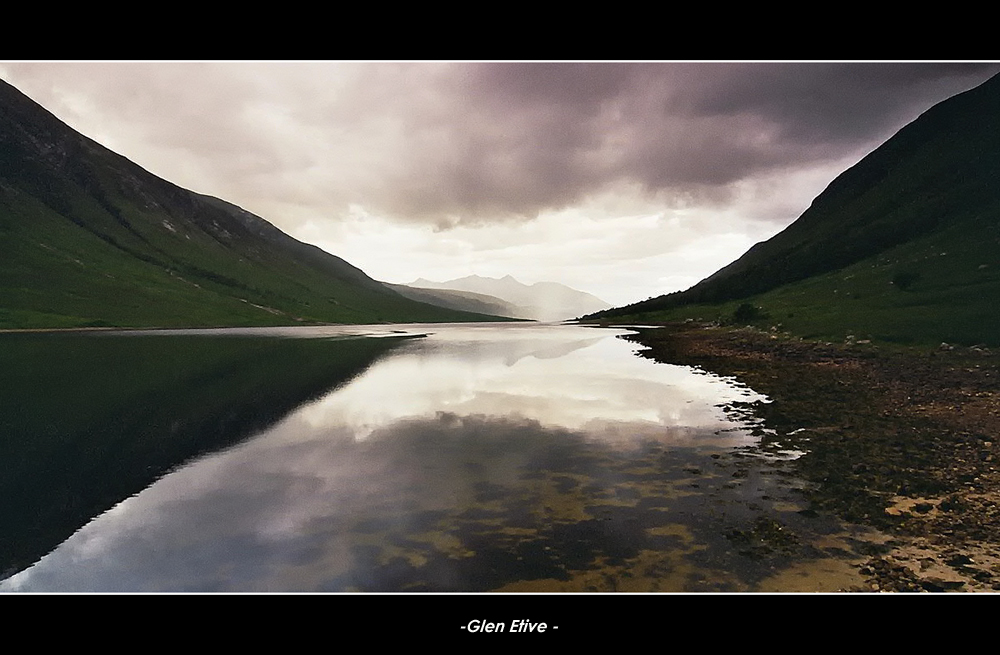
(461, 300)
(542, 301)
(902, 246)
(88, 238)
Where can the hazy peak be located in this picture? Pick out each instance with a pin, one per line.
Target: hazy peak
(542, 301)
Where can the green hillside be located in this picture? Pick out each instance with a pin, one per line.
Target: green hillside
(904, 246)
(88, 238)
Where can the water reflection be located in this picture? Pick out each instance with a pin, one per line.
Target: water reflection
(87, 420)
(477, 458)
(567, 377)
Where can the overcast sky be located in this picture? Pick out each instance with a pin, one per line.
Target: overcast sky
(625, 180)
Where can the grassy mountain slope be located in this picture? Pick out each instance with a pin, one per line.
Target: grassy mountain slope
(903, 246)
(89, 238)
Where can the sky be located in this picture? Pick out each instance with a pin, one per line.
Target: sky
(626, 180)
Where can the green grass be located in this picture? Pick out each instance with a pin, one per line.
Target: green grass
(54, 273)
(89, 238)
(902, 247)
(954, 281)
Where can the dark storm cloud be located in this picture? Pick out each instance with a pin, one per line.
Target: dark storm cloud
(828, 101)
(548, 134)
(452, 142)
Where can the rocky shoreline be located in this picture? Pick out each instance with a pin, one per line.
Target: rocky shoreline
(901, 440)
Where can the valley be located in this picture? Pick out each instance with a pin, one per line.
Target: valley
(195, 400)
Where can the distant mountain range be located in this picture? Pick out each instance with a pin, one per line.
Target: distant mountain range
(542, 301)
(903, 246)
(88, 238)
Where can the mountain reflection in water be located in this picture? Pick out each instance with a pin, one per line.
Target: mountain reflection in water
(476, 458)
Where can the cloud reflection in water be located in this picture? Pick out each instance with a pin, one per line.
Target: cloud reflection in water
(393, 481)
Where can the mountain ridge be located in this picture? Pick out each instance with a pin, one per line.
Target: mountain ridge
(461, 300)
(931, 188)
(89, 238)
(541, 301)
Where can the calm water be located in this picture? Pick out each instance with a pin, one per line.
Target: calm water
(470, 458)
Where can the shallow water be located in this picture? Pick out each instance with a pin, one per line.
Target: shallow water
(472, 458)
